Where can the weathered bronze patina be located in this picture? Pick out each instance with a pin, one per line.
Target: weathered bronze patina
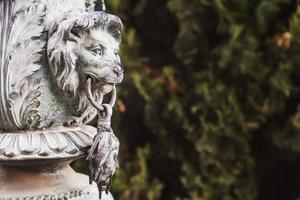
(58, 59)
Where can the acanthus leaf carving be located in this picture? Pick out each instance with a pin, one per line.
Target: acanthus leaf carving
(25, 51)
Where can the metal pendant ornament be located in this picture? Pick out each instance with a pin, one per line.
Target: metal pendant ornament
(104, 151)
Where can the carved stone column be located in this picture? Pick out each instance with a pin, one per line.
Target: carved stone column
(58, 59)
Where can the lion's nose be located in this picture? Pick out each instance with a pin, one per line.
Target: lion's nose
(118, 68)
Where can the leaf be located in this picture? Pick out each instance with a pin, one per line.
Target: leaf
(27, 25)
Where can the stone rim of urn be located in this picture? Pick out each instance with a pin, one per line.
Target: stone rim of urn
(58, 59)
(54, 143)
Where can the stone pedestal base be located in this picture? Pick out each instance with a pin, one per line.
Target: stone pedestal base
(46, 181)
(34, 165)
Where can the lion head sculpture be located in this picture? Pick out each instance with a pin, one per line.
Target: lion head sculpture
(85, 45)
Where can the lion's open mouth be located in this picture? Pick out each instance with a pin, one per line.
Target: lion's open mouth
(92, 76)
(92, 99)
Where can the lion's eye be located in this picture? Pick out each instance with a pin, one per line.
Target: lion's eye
(99, 50)
(117, 35)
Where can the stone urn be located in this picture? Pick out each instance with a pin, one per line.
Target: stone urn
(58, 60)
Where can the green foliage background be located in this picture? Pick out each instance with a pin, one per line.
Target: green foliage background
(210, 104)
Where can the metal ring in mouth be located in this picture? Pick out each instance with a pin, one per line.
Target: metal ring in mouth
(92, 100)
(113, 97)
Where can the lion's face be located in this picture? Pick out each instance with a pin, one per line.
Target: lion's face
(98, 56)
(85, 45)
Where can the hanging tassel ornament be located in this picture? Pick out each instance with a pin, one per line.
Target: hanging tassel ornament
(103, 154)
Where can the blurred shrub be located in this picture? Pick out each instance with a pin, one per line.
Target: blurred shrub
(203, 79)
